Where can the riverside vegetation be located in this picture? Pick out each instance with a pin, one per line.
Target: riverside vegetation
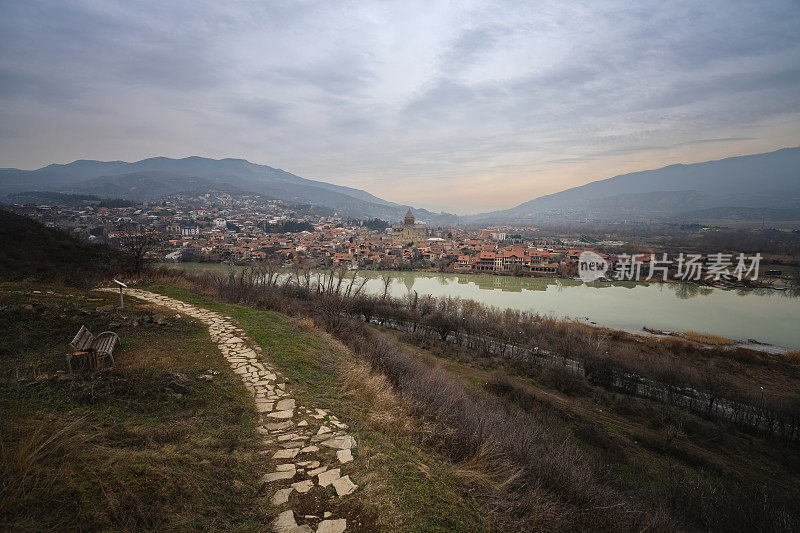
(564, 450)
(453, 434)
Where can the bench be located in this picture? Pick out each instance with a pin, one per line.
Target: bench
(101, 348)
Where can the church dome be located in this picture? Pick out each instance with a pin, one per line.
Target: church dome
(409, 220)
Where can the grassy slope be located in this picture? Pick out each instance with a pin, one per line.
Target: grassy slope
(408, 487)
(141, 448)
(149, 445)
(627, 433)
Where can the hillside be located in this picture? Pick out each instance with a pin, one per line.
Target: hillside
(233, 406)
(171, 437)
(151, 178)
(770, 180)
(29, 249)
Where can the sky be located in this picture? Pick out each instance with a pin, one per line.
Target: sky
(457, 106)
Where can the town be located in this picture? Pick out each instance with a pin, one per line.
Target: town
(221, 227)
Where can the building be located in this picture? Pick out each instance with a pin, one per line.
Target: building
(410, 231)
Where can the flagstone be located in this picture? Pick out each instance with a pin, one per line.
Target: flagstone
(288, 453)
(303, 486)
(343, 442)
(332, 526)
(281, 414)
(274, 402)
(275, 476)
(281, 496)
(284, 522)
(344, 456)
(344, 486)
(326, 478)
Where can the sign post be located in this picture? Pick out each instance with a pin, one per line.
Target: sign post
(121, 300)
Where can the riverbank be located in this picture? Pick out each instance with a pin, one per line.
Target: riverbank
(480, 331)
(762, 319)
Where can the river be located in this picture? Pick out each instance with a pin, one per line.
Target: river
(764, 315)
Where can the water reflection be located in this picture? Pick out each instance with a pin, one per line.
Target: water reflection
(683, 291)
(764, 314)
(519, 284)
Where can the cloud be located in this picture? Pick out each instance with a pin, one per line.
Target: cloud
(429, 100)
(649, 148)
(470, 46)
(259, 110)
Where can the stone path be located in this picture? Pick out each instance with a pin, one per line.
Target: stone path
(309, 448)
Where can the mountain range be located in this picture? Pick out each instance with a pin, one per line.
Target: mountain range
(153, 178)
(761, 186)
(769, 181)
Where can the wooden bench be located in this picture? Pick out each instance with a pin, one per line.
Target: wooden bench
(101, 348)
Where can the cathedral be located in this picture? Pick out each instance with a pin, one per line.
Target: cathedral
(410, 231)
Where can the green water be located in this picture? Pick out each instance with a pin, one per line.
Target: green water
(765, 315)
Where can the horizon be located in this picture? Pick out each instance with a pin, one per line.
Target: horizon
(457, 213)
(536, 98)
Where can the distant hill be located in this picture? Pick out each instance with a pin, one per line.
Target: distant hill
(29, 249)
(750, 214)
(152, 178)
(149, 185)
(49, 197)
(770, 180)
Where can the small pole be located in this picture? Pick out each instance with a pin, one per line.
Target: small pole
(121, 286)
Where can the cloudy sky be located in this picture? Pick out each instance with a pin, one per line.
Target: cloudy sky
(450, 105)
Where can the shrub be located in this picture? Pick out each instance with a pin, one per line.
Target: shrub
(706, 338)
(565, 379)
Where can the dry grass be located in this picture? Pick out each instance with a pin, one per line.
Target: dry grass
(147, 445)
(707, 338)
(382, 408)
(392, 439)
(559, 488)
(26, 463)
(793, 357)
(405, 483)
(492, 476)
(675, 345)
(528, 475)
(385, 410)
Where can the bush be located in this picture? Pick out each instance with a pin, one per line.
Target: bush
(565, 379)
(609, 445)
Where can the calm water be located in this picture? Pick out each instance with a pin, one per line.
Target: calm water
(765, 315)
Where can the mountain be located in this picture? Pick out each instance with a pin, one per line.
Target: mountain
(147, 185)
(770, 180)
(152, 178)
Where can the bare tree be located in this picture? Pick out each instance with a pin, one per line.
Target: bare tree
(387, 281)
(713, 384)
(353, 288)
(137, 244)
(269, 271)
